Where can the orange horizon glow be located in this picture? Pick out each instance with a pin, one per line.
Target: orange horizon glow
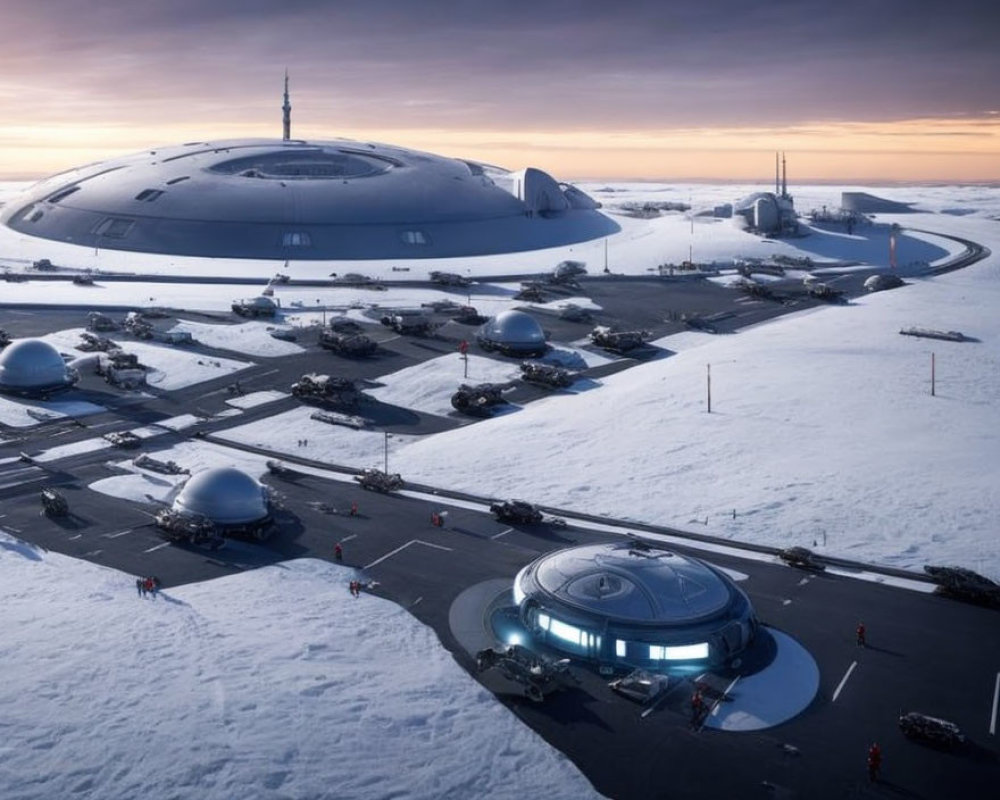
(930, 150)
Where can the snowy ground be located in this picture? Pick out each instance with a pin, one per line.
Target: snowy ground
(202, 694)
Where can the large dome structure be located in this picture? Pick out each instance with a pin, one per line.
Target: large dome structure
(634, 604)
(296, 199)
(225, 495)
(513, 333)
(33, 366)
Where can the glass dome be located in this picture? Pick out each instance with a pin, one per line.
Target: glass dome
(32, 365)
(225, 495)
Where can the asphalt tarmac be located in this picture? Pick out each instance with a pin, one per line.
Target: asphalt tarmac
(925, 653)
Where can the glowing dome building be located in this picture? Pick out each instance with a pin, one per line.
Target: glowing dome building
(295, 199)
(634, 604)
(225, 495)
(34, 367)
(513, 333)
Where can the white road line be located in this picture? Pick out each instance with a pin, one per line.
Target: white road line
(416, 601)
(158, 547)
(92, 553)
(348, 538)
(993, 716)
(803, 582)
(502, 533)
(78, 536)
(403, 547)
(116, 535)
(843, 680)
(785, 602)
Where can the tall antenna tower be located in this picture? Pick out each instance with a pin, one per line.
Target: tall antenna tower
(286, 114)
(775, 171)
(784, 177)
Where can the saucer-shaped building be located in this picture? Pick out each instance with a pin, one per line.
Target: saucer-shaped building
(634, 604)
(34, 367)
(302, 200)
(513, 333)
(225, 495)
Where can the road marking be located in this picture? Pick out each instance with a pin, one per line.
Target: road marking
(416, 601)
(158, 547)
(785, 602)
(403, 547)
(78, 536)
(92, 553)
(803, 582)
(502, 533)
(843, 680)
(116, 535)
(348, 538)
(993, 716)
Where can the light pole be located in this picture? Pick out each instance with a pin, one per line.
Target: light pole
(386, 452)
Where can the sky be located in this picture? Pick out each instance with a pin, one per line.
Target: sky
(887, 90)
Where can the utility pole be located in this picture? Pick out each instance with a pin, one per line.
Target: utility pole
(386, 452)
(933, 378)
(709, 386)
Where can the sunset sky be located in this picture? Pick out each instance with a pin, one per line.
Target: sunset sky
(852, 91)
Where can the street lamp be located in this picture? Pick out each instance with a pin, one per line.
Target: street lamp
(386, 452)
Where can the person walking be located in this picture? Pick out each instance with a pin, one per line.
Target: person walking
(861, 635)
(697, 706)
(338, 552)
(138, 586)
(354, 509)
(874, 761)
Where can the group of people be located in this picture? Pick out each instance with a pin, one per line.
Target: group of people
(150, 586)
(355, 587)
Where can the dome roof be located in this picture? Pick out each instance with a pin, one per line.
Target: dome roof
(225, 495)
(31, 365)
(634, 584)
(513, 328)
(266, 198)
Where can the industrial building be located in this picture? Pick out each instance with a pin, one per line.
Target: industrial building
(634, 604)
(770, 213)
(304, 200)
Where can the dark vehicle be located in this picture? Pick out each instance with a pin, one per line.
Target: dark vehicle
(255, 307)
(569, 269)
(155, 465)
(618, 341)
(100, 323)
(478, 400)
(83, 279)
(279, 469)
(964, 584)
(641, 686)
(91, 343)
(123, 439)
(546, 375)
(801, 557)
(408, 323)
(517, 512)
(531, 292)
(536, 674)
(4, 338)
(378, 481)
(53, 503)
(189, 529)
(934, 731)
(574, 313)
(467, 315)
(825, 292)
(327, 389)
(700, 324)
(355, 345)
(358, 280)
(449, 279)
(43, 265)
(137, 325)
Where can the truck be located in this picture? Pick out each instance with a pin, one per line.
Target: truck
(327, 389)
(620, 342)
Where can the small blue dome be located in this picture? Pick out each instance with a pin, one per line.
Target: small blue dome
(513, 332)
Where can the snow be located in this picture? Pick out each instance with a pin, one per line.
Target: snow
(256, 399)
(200, 694)
(170, 368)
(428, 386)
(252, 338)
(27, 413)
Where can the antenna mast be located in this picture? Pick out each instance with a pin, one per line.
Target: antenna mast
(784, 177)
(286, 109)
